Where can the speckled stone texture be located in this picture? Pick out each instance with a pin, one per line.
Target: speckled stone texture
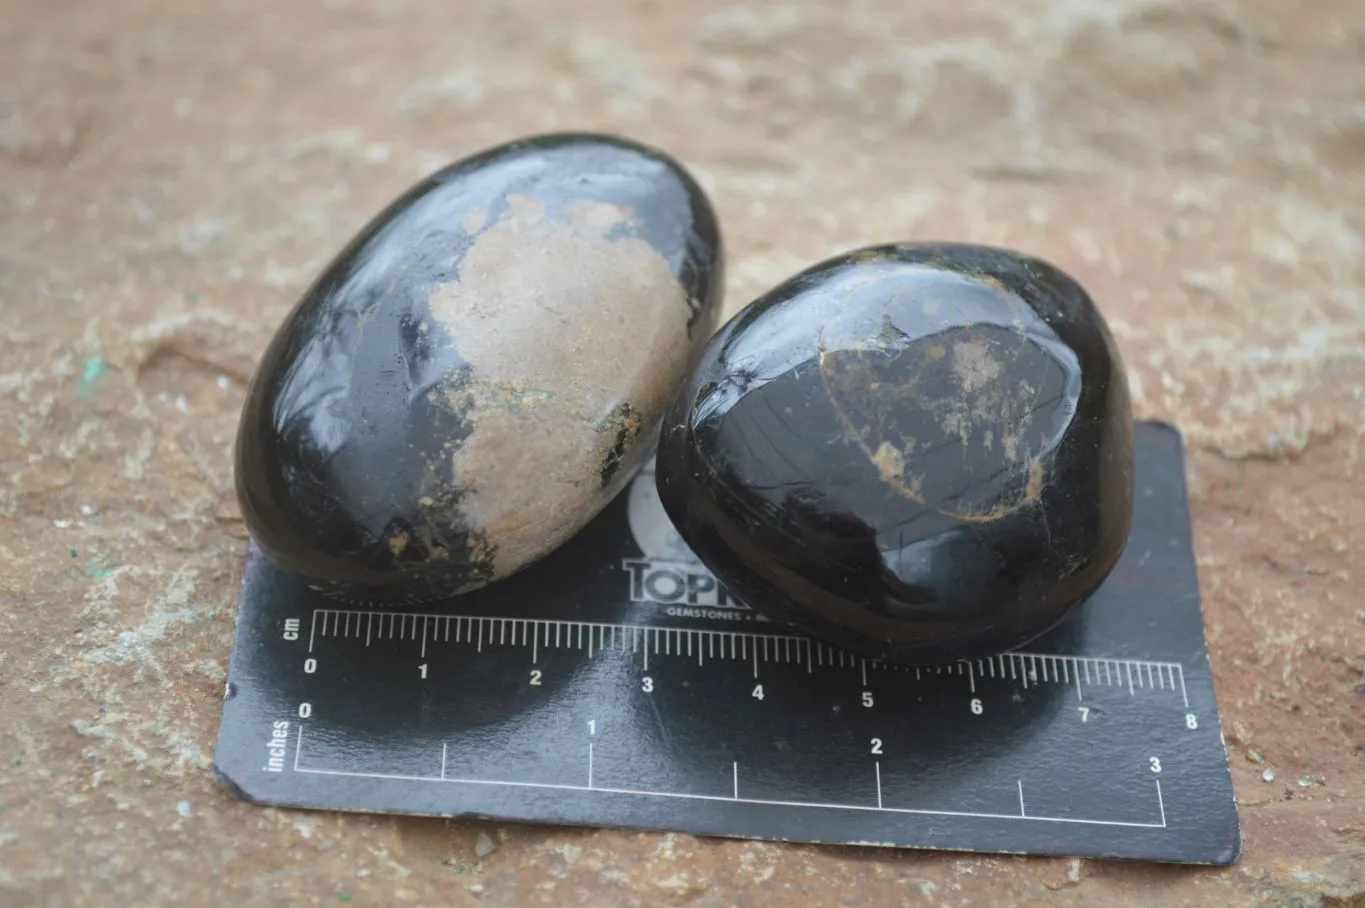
(172, 175)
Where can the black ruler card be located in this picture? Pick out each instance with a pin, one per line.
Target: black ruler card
(616, 684)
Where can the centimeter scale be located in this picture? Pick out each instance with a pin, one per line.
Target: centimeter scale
(617, 684)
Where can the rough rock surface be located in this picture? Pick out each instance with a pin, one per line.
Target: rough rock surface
(172, 175)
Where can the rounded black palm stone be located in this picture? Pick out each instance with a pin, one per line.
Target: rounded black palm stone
(480, 370)
(918, 452)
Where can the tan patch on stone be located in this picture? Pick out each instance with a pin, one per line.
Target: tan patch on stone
(974, 365)
(889, 460)
(560, 327)
(984, 412)
(473, 221)
(1036, 475)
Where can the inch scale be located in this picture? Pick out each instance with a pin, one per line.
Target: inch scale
(616, 685)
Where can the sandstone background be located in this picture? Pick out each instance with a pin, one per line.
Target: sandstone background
(173, 174)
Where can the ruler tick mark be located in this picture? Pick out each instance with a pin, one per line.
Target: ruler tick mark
(443, 761)
(735, 776)
(863, 662)
(424, 637)
(1161, 803)
(1022, 813)
(877, 766)
(971, 677)
(589, 764)
(312, 629)
(1128, 669)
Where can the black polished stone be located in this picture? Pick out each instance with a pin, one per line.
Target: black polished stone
(918, 452)
(480, 369)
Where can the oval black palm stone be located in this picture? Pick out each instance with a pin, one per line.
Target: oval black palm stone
(480, 370)
(919, 452)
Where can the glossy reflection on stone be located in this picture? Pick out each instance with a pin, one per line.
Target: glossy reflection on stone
(481, 369)
(919, 452)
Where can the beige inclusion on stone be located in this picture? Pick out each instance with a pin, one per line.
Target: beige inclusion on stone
(560, 326)
(983, 403)
(974, 365)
